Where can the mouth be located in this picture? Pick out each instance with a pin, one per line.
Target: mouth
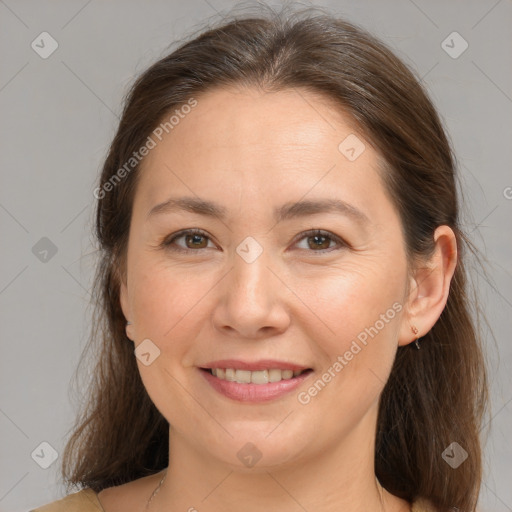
(254, 382)
(258, 377)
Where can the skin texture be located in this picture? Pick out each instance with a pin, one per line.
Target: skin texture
(251, 152)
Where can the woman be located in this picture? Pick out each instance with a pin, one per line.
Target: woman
(282, 311)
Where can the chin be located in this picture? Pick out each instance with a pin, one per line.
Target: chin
(253, 449)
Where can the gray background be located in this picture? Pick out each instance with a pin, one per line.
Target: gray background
(58, 118)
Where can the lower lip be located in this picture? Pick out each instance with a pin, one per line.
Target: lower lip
(254, 392)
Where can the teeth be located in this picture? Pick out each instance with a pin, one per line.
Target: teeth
(260, 377)
(243, 376)
(286, 374)
(274, 375)
(256, 377)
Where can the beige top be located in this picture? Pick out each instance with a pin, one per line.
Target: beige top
(87, 500)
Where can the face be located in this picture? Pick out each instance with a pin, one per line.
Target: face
(256, 287)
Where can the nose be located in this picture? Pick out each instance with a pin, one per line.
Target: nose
(251, 302)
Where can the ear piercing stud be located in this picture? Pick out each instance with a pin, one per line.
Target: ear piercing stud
(415, 331)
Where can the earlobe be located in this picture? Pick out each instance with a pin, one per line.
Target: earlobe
(430, 288)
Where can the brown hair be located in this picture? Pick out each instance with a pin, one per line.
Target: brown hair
(434, 396)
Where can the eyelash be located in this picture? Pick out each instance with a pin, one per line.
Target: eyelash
(168, 243)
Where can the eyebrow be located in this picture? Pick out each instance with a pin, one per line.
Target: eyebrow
(285, 212)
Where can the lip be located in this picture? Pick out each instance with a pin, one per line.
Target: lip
(254, 393)
(254, 366)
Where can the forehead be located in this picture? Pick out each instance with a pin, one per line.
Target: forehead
(243, 118)
(245, 143)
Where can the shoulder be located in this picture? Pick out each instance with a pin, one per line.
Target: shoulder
(126, 497)
(85, 500)
(423, 505)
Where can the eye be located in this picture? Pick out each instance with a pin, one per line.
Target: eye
(198, 239)
(321, 240)
(191, 236)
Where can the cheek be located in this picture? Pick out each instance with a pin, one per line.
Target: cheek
(165, 303)
(362, 310)
(163, 298)
(359, 310)
(349, 299)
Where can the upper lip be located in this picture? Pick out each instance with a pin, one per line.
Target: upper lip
(261, 364)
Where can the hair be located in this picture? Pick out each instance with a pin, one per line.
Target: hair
(434, 396)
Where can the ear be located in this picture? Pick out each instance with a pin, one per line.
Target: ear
(123, 299)
(430, 287)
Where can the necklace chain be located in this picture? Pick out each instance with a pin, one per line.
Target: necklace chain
(155, 492)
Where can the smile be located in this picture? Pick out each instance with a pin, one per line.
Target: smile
(254, 386)
(254, 377)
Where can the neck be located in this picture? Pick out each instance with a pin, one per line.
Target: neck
(340, 478)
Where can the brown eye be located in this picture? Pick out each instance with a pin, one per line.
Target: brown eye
(194, 239)
(317, 241)
(320, 241)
